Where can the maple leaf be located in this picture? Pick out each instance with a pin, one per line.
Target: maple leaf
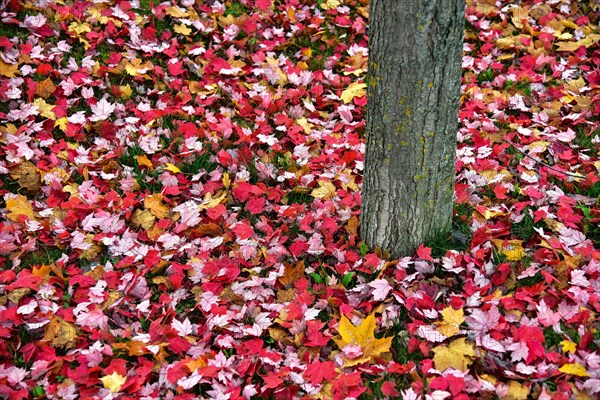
(362, 336)
(19, 207)
(102, 110)
(452, 320)
(326, 190)
(355, 89)
(512, 249)
(113, 382)
(60, 333)
(154, 203)
(516, 391)
(456, 355)
(574, 369)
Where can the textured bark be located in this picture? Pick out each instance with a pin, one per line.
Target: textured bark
(415, 51)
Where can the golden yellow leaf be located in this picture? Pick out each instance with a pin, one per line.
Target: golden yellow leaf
(43, 271)
(126, 91)
(512, 249)
(8, 70)
(364, 337)
(195, 364)
(330, 4)
(452, 320)
(516, 391)
(19, 207)
(518, 15)
(568, 346)
(226, 180)
(80, 27)
(574, 369)
(144, 219)
(155, 204)
(172, 168)
(210, 201)
(143, 160)
(184, 30)
(60, 333)
(62, 123)
(354, 90)
(44, 108)
(326, 190)
(113, 382)
(176, 12)
(456, 355)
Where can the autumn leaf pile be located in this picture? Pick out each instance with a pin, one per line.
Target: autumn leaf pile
(179, 200)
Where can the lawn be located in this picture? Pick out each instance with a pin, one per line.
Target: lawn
(180, 190)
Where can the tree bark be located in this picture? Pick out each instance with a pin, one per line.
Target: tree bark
(415, 53)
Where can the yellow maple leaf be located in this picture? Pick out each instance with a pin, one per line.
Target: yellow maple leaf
(172, 168)
(62, 123)
(210, 201)
(364, 337)
(456, 355)
(568, 346)
(452, 320)
(8, 70)
(45, 108)
(574, 369)
(512, 249)
(155, 204)
(176, 12)
(330, 4)
(181, 28)
(19, 207)
(516, 391)
(113, 382)
(143, 160)
(144, 219)
(326, 190)
(126, 91)
(354, 90)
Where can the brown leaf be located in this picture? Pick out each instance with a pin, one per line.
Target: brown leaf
(60, 333)
(209, 229)
(292, 273)
(155, 204)
(45, 88)
(27, 176)
(8, 70)
(143, 219)
(352, 225)
(16, 295)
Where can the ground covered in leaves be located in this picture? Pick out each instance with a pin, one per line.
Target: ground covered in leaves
(180, 190)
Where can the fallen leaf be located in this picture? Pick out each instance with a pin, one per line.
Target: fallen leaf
(155, 204)
(574, 369)
(568, 347)
(326, 190)
(354, 90)
(172, 168)
(364, 337)
(60, 333)
(516, 391)
(144, 161)
(452, 320)
(27, 176)
(144, 219)
(8, 70)
(113, 382)
(456, 355)
(45, 88)
(512, 249)
(19, 207)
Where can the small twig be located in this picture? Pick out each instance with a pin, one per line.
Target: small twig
(576, 176)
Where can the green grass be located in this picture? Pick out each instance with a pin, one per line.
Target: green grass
(584, 140)
(299, 198)
(460, 235)
(42, 256)
(524, 230)
(485, 76)
(236, 9)
(201, 162)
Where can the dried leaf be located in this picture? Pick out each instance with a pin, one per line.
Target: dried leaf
(144, 161)
(292, 273)
(154, 203)
(27, 175)
(512, 249)
(60, 333)
(45, 88)
(516, 391)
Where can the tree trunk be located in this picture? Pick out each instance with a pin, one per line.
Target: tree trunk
(415, 53)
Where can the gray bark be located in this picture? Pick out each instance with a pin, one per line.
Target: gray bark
(415, 52)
